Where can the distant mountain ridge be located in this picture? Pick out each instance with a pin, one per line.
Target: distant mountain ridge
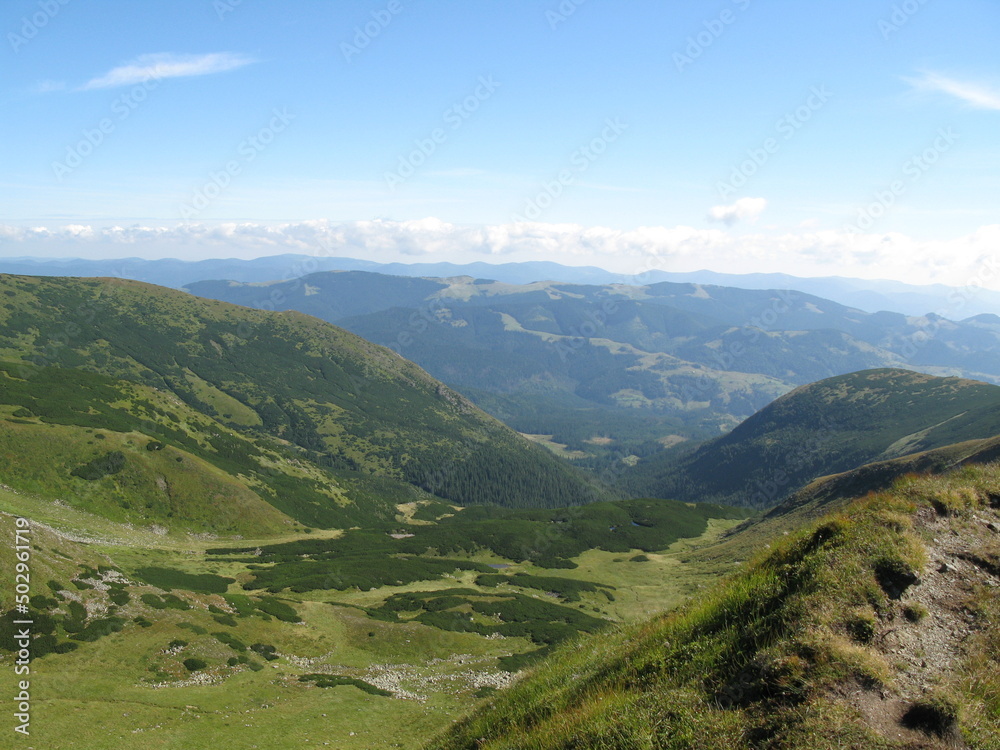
(871, 295)
(615, 370)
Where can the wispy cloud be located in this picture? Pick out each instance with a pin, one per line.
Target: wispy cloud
(45, 87)
(744, 208)
(167, 65)
(974, 94)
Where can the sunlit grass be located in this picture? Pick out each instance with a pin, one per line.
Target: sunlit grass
(762, 654)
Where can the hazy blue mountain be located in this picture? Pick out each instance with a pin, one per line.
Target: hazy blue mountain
(616, 372)
(864, 294)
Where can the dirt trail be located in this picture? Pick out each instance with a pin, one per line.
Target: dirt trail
(927, 638)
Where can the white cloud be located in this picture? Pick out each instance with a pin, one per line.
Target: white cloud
(45, 87)
(167, 65)
(743, 209)
(805, 252)
(973, 94)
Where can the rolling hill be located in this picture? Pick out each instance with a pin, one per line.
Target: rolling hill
(105, 380)
(823, 428)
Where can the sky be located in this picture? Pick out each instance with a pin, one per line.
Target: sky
(829, 137)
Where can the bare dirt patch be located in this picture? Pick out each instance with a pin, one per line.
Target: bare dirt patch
(927, 638)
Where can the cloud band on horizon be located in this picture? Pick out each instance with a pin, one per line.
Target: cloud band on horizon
(960, 261)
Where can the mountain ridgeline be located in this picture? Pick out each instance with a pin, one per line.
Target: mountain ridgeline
(870, 295)
(612, 371)
(324, 426)
(823, 428)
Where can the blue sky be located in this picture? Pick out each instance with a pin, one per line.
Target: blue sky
(850, 137)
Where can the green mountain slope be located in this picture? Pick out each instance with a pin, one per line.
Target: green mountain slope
(877, 627)
(832, 493)
(327, 428)
(615, 370)
(130, 476)
(827, 427)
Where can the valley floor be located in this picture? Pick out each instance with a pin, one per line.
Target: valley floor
(129, 687)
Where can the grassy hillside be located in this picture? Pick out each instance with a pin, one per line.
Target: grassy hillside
(875, 627)
(324, 426)
(120, 661)
(830, 494)
(827, 427)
